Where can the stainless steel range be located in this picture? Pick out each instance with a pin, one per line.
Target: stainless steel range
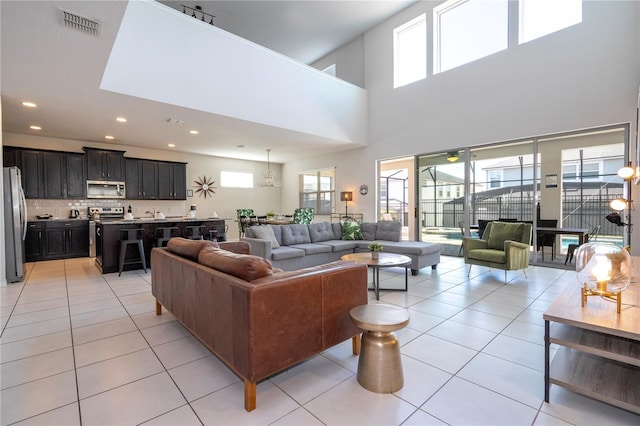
(106, 213)
(101, 213)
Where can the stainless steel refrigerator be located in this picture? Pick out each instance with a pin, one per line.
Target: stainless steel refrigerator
(15, 224)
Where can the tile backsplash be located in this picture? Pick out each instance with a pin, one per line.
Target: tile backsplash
(60, 209)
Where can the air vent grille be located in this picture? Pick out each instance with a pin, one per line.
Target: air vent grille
(80, 23)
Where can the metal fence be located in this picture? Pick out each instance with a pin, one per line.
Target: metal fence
(578, 211)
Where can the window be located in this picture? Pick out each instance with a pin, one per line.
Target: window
(410, 52)
(569, 172)
(541, 17)
(317, 190)
(331, 70)
(590, 170)
(236, 179)
(495, 178)
(466, 30)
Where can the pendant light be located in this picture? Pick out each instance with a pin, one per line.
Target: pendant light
(269, 180)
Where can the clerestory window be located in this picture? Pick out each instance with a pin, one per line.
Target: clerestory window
(467, 30)
(410, 51)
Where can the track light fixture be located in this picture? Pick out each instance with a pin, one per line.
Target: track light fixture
(197, 12)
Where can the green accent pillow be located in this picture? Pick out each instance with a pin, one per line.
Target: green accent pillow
(352, 231)
(501, 232)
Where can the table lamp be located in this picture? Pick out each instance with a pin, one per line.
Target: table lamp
(346, 197)
(604, 270)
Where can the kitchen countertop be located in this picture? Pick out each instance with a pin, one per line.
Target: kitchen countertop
(57, 219)
(152, 220)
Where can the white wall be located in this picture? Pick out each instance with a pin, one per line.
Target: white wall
(231, 76)
(584, 76)
(225, 201)
(349, 60)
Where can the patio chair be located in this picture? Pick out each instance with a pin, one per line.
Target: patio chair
(503, 246)
(547, 240)
(591, 236)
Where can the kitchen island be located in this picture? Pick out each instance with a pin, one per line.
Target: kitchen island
(108, 237)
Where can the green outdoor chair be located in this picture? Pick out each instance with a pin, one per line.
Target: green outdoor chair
(303, 215)
(503, 246)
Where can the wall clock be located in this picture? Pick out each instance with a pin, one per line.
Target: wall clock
(204, 186)
(364, 189)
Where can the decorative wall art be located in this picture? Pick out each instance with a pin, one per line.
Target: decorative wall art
(204, 186)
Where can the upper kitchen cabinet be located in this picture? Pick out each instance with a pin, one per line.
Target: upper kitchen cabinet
(172, 181)
(53, 172)
(11, 156)
(49, 174)
(76, 176)
(141, 179)
(105, 164)
(32, 173)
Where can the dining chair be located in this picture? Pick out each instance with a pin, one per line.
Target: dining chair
(547, 239)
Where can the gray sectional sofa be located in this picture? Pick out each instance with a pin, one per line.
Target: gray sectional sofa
(291, 247)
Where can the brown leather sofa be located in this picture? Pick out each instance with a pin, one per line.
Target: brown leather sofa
(257, 320)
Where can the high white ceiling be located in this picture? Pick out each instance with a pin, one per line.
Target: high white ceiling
(44, 62)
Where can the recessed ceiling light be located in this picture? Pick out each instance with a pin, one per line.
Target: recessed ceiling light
(172, 145)
(29, 104)
(193, 132)
(121, 119)
(35, 127)
(109, 137)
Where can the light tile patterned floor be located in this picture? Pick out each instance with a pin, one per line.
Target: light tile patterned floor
(83, 348)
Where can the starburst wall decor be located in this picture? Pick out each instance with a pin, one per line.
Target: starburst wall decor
(204, 186)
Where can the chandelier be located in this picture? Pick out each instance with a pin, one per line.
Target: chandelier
(269, 177)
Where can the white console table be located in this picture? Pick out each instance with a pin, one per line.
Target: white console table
(599, 354)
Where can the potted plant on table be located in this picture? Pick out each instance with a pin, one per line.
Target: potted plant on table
(375, 248)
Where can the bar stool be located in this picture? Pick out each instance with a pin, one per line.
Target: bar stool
(195, 232)
(127, 237)
(164, 234)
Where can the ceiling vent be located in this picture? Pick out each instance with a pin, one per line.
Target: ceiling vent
(80, 23)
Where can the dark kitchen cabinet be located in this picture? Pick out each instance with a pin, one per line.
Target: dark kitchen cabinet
(66, 239)
(11, 156)
(141, 179)
(105, 164)
(32, 173)
(34, 242)
(49, 174)
(54, 175)
(172, 181)
(76, 176)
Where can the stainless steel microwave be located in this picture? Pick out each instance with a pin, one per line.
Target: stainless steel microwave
(105, 189)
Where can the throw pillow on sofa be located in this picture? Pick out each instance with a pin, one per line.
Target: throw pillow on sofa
(265, 233)
(351, 231)
(244, 266)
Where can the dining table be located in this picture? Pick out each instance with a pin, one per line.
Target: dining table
(582, 233)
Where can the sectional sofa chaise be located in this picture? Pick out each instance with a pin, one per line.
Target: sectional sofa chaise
(295, 246)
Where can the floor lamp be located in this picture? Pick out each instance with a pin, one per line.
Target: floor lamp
(346, 197)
